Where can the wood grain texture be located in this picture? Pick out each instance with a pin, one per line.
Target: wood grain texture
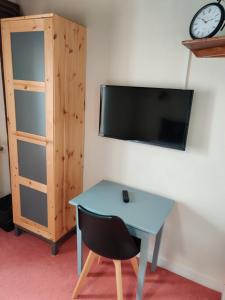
(119, 283)
(217, 52)
(64, 87)
(49, 108)
(26, 85)
(11, 119)
(31, 138)
(59, 139)
(89, 261)
(41, 16)
(208, 47)
(134, 264)
(75, 121)
(34, 227)
(25, 25)
(69, 76)
(33, 184)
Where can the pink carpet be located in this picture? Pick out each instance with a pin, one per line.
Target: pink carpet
(29, 272)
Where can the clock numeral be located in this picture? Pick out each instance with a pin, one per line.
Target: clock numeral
(206, 21)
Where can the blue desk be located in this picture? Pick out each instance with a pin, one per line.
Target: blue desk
(144, 216)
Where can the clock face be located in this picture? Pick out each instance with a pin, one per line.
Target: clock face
(207, 21)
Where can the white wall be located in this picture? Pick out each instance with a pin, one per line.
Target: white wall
(138, 42)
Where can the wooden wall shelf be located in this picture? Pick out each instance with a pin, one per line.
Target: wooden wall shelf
(209, 47)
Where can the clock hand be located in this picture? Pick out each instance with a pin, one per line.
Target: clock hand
(203, 20)
(209, 20)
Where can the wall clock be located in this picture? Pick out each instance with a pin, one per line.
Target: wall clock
(207, 21)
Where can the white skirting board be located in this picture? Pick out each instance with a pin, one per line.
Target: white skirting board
(192, 275)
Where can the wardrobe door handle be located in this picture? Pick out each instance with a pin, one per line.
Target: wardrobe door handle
(1, 148)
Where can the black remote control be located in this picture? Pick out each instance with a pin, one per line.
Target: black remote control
(125, 196)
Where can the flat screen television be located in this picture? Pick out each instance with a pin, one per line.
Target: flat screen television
(157, 116)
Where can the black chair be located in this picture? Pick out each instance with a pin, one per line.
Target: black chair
(106, 236)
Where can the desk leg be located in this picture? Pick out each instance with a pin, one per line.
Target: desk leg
(142, 266)
(79, 247)
(156, 250)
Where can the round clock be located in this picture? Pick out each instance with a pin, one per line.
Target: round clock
(207, 21)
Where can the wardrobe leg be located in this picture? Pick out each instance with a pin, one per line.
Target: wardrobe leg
(17, 230)
(55, 248)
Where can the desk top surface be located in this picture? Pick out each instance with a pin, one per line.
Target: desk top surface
(145, 211)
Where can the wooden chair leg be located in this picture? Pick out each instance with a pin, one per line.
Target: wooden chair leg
(99, 259)
(119, 284)
(134, 264)
(86, 268)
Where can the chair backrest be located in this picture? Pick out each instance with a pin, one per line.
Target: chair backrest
(107, 236)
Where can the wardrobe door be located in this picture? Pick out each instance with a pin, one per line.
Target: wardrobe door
(27, 45)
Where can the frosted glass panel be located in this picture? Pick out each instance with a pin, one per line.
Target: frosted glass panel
(30, 112)
(28, 55)
(32, 161)
(34, 205)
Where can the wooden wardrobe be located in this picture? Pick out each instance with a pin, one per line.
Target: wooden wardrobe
(44, 70)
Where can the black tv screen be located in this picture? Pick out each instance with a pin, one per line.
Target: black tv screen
(156, 116)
